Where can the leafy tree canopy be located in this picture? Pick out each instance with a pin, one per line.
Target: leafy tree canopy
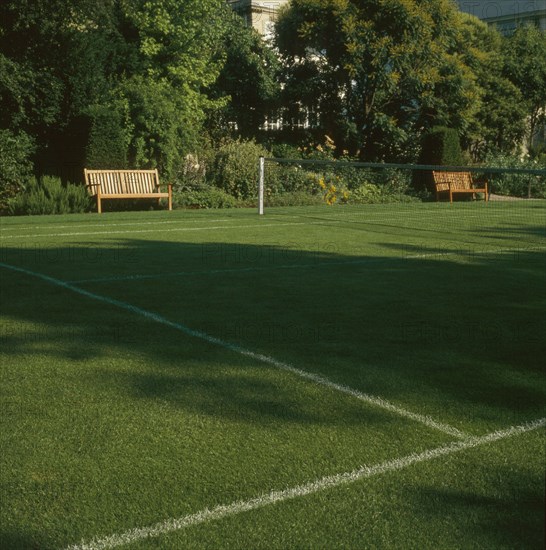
(525, 67)
(378, 71)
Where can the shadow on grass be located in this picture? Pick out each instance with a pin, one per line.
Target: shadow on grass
(462, 340)
(19, 541)
(402, 327)
(492, 521)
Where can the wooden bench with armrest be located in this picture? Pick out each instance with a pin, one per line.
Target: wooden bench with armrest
(457, 182)
(125, 184)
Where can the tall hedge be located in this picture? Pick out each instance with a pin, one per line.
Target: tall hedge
(439, 146)
(107, 144)
(15, 164)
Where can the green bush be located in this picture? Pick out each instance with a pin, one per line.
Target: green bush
(15, 164)
(210, 197)
(370, 193)
(281, 179)
(108, 142)
(516, 185)
(439, 146)
(48, 195)
(236, 168)
(294, 198)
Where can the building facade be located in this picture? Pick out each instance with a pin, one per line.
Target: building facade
(507, 15)
(259, 14)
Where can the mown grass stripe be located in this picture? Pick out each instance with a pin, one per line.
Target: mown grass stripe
(161, 230)
(325, 483)
(373, 400)
(363, 261)
(102, 224)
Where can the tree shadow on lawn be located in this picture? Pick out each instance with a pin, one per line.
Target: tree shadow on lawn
(461, 340)
(490, 517)
(463, 334)
(10, 540)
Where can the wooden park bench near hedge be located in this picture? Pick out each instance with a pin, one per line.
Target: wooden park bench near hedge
(457, 182)
(125, 184)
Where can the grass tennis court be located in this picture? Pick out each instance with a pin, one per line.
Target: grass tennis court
(346, 377)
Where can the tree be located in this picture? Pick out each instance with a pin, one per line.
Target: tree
(149, 62)
(499, 120)
(378, 71)
(249, 77)
(525, 67)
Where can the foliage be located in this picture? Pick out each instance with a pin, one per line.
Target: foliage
(154, 59)
(376, 72)
(249, 77)
(203, 197)
(236, 168)
(499, 119)
(371, 193)
(108, 140)
(47, 195)
(516, 185)
(525, 66)
(294, 198)
(441, 146)
(15, 164)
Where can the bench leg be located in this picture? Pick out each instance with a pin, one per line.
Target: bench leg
(170, 187)
(99, 205)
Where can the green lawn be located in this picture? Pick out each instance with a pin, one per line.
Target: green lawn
(156, 366)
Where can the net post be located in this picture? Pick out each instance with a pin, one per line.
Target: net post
(261, 187)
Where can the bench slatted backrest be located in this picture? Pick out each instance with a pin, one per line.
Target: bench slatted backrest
(456, 180)
(122, 182)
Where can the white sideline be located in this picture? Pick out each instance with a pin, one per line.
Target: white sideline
(325, 483)
(373, 400)
(101, 224)
(438, 254)
(133, 231)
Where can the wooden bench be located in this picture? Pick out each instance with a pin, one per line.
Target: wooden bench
(457, 182)
(125, 184)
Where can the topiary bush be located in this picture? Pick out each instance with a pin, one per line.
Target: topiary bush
(108, 142)
(441, 147)
(47, 195)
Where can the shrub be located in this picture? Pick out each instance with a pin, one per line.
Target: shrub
(388, 186)
(209, 197)
(48, 195)
(440, 146)
(294, 198)
(15, 164)
(236, 168)
(108, 142)
(516, 185)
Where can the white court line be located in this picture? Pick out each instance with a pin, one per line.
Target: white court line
(317, 379)
(437, 254)
(133, 231)
(103, 225)
(274, 497)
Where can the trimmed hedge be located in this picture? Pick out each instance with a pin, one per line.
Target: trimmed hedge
(15, 164)
(440, 146)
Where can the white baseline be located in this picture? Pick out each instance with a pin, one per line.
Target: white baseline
(325, 483)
